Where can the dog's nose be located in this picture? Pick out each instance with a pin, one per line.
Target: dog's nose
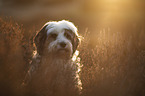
(62, 44)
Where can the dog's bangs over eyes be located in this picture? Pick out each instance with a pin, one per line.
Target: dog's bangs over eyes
(68, 34)
(53, 36)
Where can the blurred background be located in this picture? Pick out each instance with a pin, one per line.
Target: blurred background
(114, 42)
(92, 15)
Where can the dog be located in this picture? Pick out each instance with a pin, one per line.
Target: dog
(53, 70)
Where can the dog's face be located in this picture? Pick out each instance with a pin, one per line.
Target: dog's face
(59, 39)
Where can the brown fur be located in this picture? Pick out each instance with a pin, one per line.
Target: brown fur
(51, 73)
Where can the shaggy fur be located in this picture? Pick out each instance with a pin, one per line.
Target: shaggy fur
(52, 71)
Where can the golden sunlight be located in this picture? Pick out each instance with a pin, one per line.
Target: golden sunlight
(75, 55)
(109, 61)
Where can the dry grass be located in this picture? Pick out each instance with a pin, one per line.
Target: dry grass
(14, 56)
(114, 67)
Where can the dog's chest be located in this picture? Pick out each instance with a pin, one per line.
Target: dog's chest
(57, 72)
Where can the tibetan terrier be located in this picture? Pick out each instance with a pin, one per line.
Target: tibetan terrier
(53, 70)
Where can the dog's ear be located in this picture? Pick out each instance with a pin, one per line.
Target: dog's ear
(75, 43)
(40, 39)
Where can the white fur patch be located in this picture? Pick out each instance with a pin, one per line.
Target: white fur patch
(60, 25)
(59, 29)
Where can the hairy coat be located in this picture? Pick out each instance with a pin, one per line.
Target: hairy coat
(52, 71)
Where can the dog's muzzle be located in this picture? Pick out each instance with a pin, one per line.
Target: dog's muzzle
(63, 48)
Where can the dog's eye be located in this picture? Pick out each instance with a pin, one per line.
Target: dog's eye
(67, 36)
(54, 36)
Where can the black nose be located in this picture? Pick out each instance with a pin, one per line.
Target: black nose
(62, 44)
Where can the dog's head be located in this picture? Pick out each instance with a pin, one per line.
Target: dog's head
(57, 38)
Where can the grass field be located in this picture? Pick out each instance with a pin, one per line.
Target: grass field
(112, 50)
